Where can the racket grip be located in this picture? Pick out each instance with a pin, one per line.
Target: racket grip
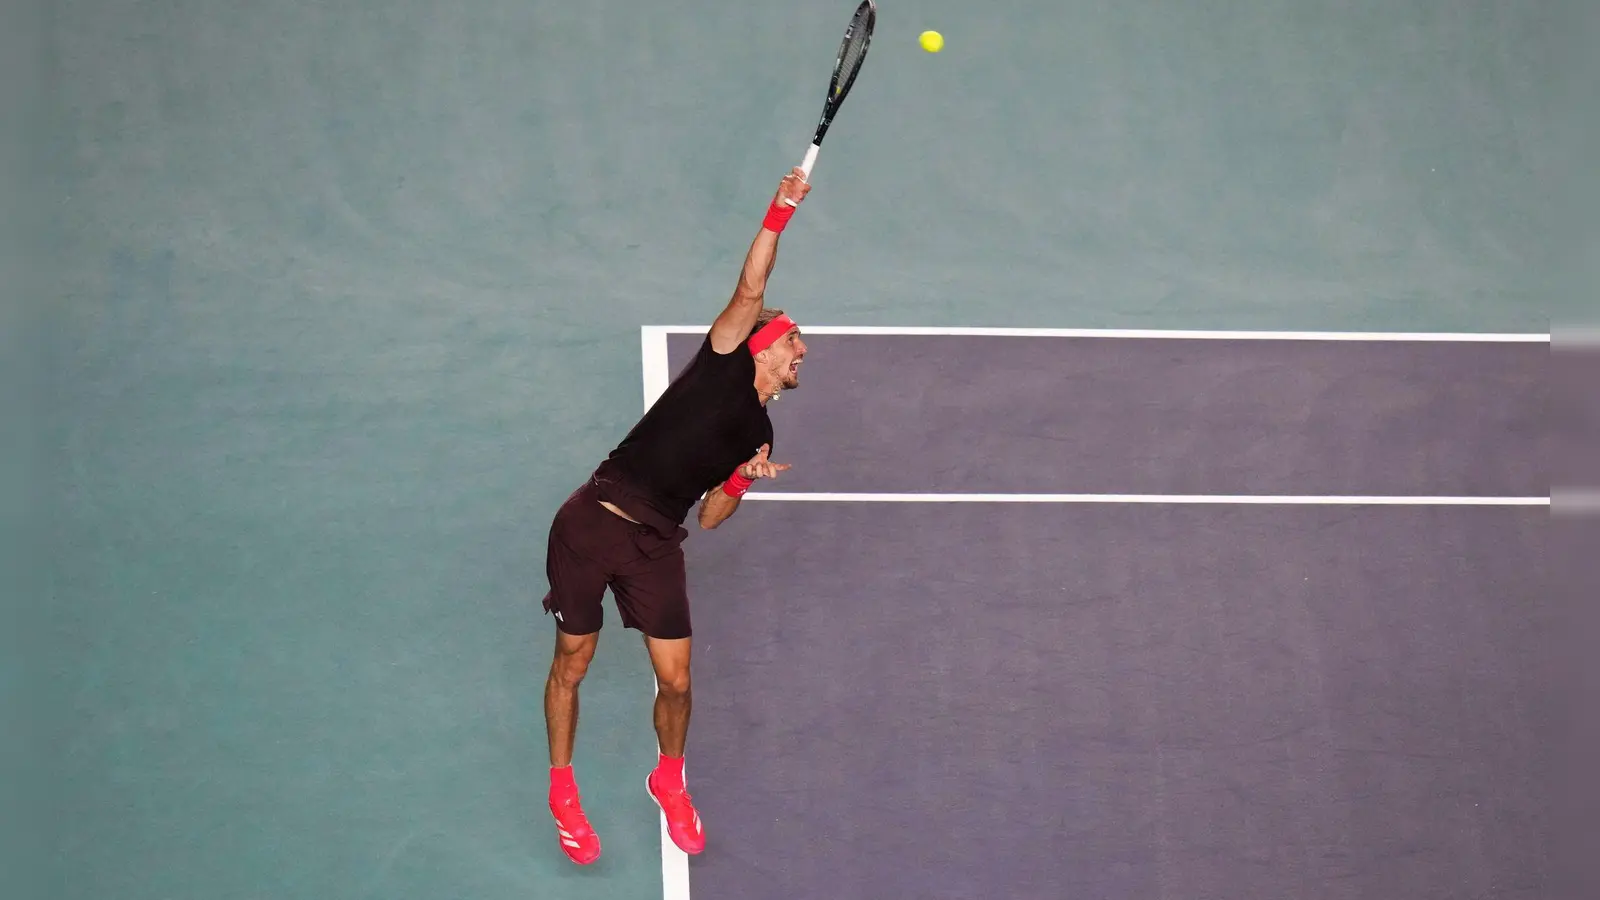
(810, 160)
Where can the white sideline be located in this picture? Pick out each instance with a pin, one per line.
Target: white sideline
(657, 373)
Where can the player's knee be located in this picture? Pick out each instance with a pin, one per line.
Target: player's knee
(568, 670)
(674, 682)
(571, 663)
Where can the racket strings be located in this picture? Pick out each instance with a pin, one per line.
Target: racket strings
(855, 48)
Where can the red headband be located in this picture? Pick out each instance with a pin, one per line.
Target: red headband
(773, 330)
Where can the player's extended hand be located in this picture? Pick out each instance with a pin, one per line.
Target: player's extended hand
(761, 467)
(793, 188)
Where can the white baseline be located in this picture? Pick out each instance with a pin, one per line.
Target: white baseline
(1204, 499)
(1150, 334)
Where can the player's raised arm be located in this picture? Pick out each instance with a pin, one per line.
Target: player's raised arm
(739, 316)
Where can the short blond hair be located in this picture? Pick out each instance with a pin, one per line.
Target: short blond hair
(763, 320)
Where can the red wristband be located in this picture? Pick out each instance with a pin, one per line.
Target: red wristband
(737, 484)
(778, 215)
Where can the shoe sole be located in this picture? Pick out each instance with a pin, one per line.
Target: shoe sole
(564, 849)
(664, 812)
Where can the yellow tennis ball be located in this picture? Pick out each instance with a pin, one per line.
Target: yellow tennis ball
(932, 41)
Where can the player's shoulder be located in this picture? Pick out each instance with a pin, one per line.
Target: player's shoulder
(736, 359)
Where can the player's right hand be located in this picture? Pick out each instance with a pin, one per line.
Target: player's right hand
(761, 467)
(793, 188)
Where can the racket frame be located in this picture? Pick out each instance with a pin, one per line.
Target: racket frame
(863, 20)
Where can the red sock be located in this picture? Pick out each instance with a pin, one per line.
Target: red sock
(563, 784)
(669, 772)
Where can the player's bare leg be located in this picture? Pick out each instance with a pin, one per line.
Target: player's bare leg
(573, 653)
(571, 662)
(674, 699)
(674, 703)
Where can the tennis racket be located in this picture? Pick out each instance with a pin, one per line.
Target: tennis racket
(852, 52)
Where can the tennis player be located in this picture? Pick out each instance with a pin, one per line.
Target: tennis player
(705, 441)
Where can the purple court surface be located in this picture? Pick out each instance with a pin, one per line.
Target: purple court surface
(1118, 700)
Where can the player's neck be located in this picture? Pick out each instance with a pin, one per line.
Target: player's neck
(767, 387)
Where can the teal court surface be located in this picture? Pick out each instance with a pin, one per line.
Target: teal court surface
(1170, 487)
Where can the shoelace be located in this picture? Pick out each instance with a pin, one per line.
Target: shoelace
(678, 802)
(570, 807)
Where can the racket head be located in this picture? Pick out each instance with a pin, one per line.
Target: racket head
(847, 64)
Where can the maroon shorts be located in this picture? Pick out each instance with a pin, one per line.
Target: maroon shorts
(592, 548)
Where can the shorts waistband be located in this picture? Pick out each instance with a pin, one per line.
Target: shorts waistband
(627, 497)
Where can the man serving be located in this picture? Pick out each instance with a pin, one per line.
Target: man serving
(705, 441)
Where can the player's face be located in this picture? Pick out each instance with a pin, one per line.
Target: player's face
(786, 354)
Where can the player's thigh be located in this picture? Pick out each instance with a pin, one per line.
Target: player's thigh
(577, 566)
(653, 595)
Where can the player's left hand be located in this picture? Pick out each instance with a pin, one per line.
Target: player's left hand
(761, 467)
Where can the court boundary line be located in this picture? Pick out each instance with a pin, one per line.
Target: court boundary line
(657, 373)
(1172, 499)
(1148, 333)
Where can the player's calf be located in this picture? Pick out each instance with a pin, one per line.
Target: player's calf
(570, 664)
(665, 783)
(567, 669)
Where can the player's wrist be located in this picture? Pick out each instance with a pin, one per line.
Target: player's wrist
(737, 484)
(778, 215)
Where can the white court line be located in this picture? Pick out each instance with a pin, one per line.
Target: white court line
(657, 367)
(1219, 499)
(1150, 334)
(657, 374)
(674, 862)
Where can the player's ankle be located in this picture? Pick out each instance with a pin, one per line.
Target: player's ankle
(563, 782)
(669, 772)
